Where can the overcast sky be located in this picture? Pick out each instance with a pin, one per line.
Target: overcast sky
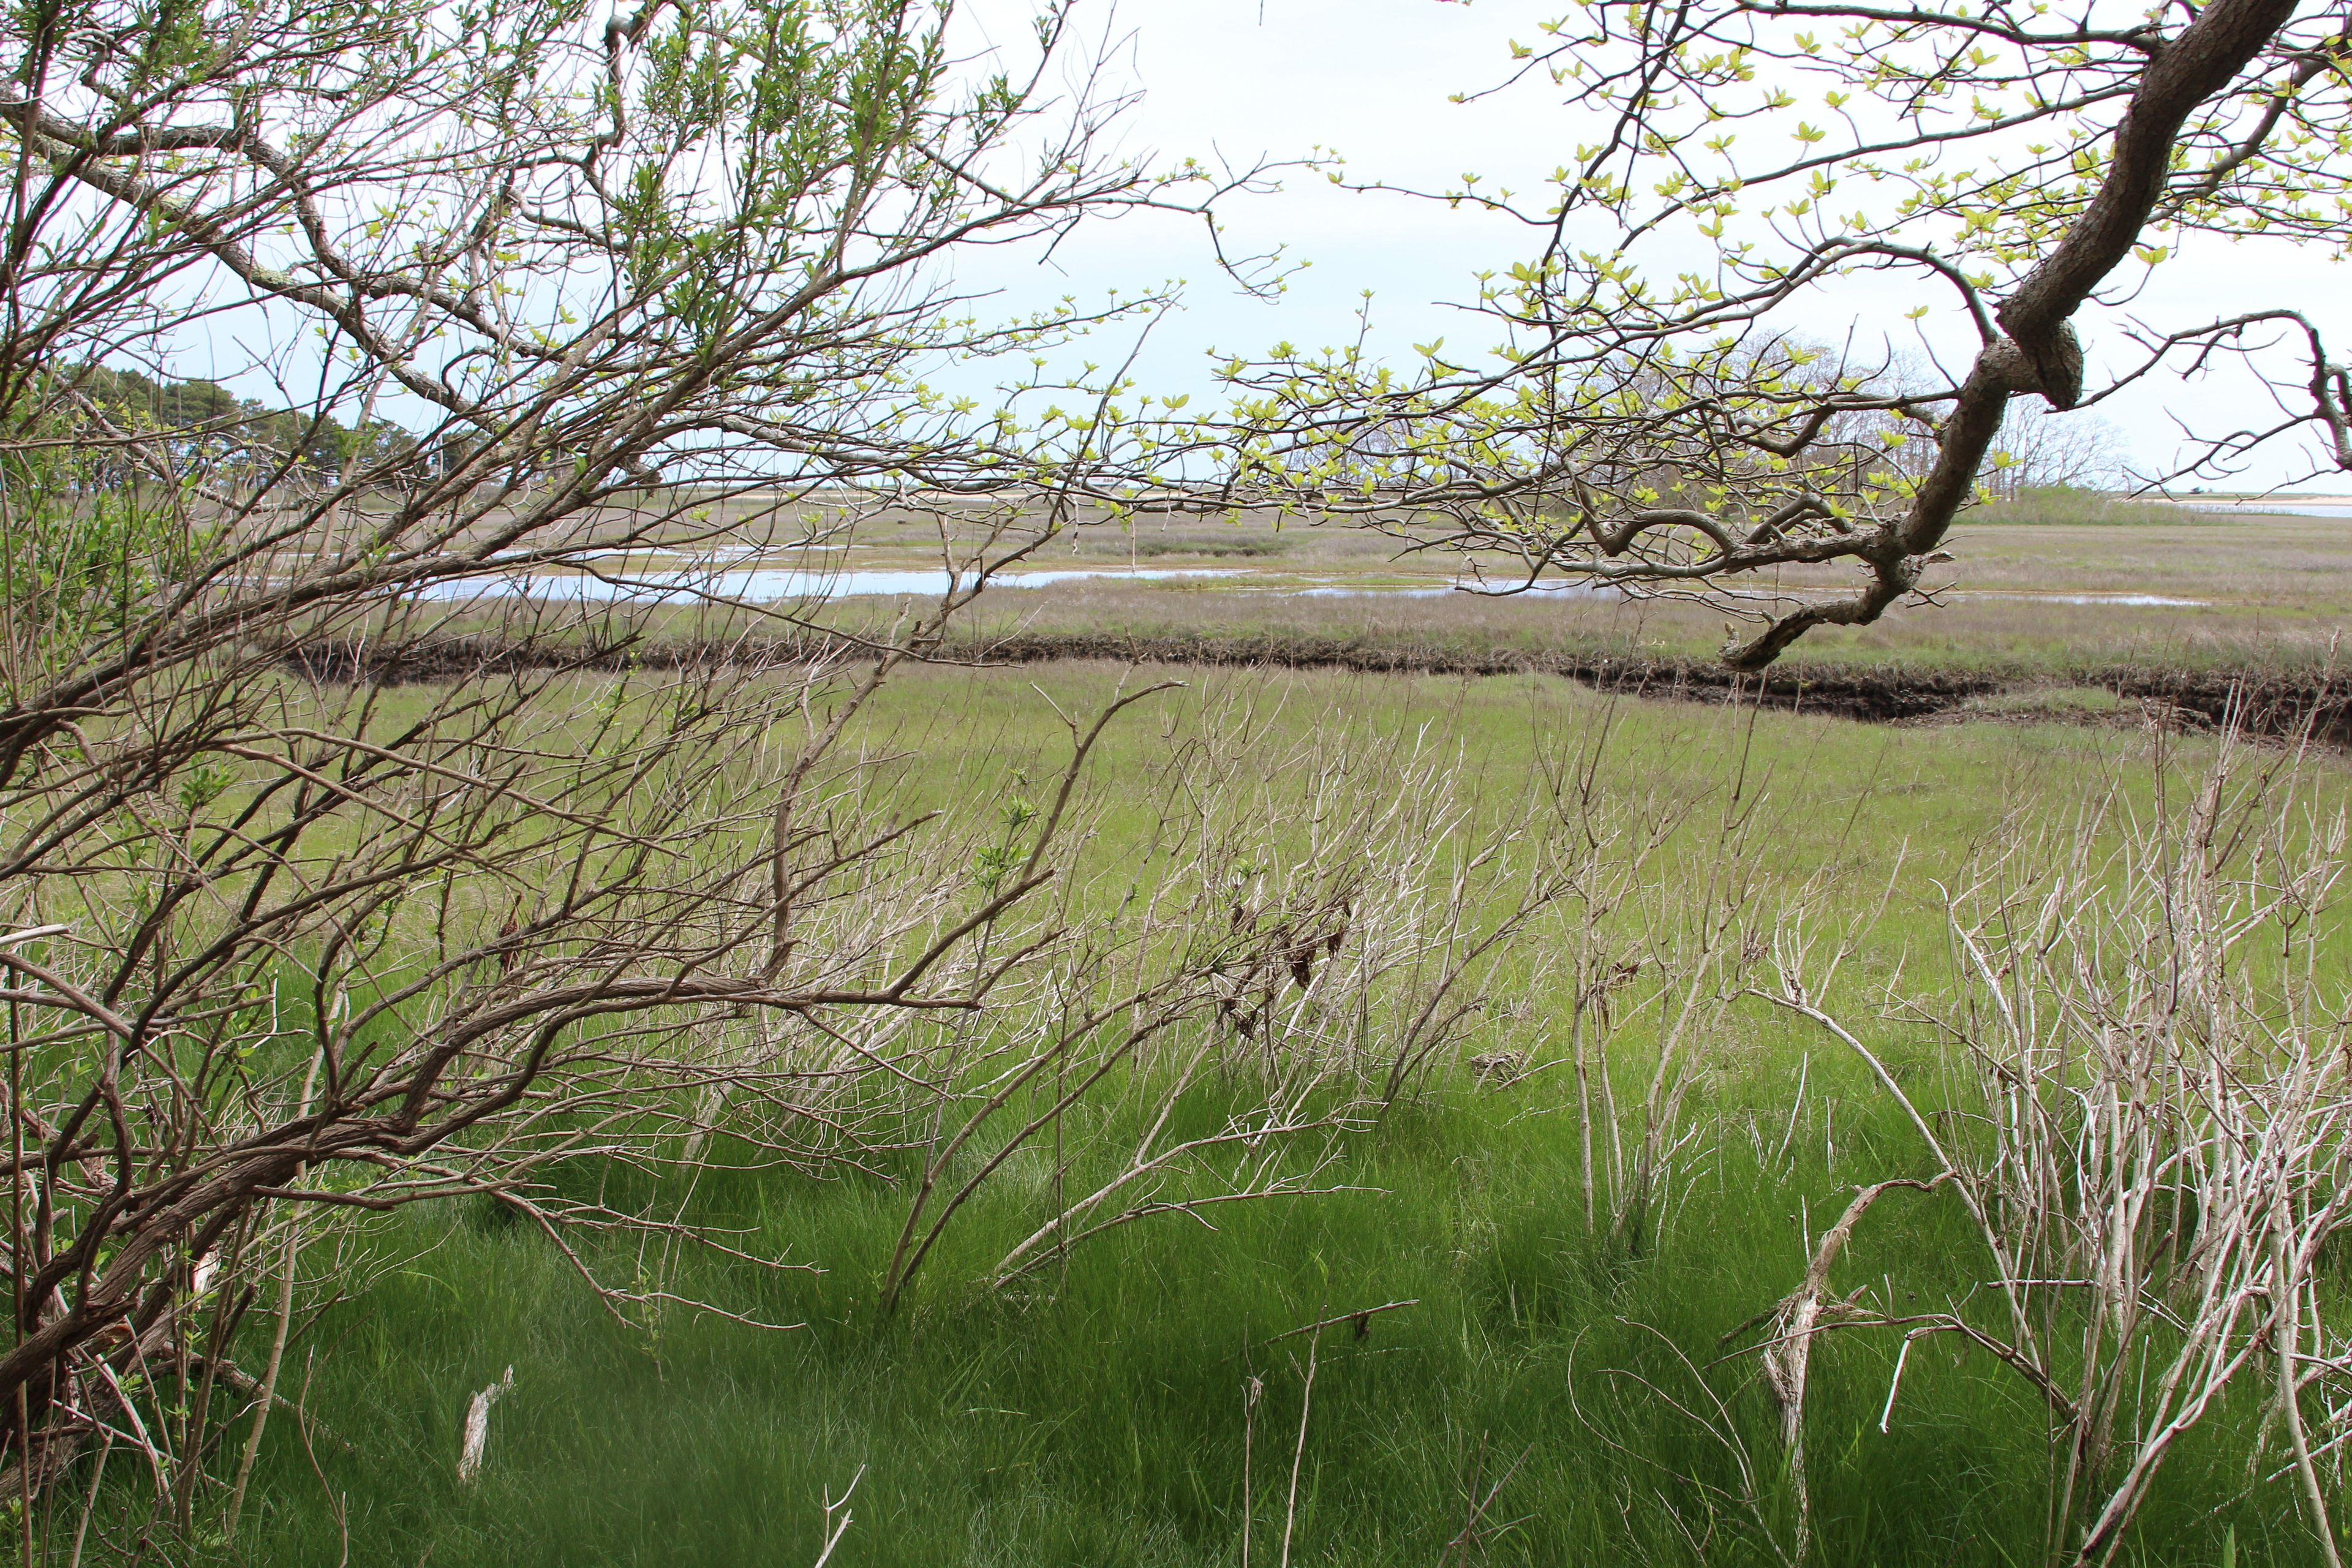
(1246, 79)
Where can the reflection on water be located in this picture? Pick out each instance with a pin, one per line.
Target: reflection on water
(1572, 588)
(2288, 505)
(2136, 600)
(1577, 588)
(763, 585)
(772, 584)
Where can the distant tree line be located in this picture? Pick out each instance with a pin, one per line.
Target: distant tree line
(206, 427)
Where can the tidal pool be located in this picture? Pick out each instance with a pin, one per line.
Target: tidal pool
(766, 585)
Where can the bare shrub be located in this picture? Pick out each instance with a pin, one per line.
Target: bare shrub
(1666, 901)
(1309, 932)
(546, 320)
(2147, 1125)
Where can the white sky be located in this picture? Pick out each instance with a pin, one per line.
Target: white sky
(1274, 78)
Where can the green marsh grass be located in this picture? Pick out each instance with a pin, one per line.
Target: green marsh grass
(1095, 1414)
(1102, 1423)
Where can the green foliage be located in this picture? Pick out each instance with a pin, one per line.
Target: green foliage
(1641, 414)
(83, 548)
(210, 428)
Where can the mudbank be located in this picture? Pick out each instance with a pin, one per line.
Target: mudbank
(2270, 702)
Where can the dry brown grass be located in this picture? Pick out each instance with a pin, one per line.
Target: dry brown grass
(2037, 599)
(2272, 592)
